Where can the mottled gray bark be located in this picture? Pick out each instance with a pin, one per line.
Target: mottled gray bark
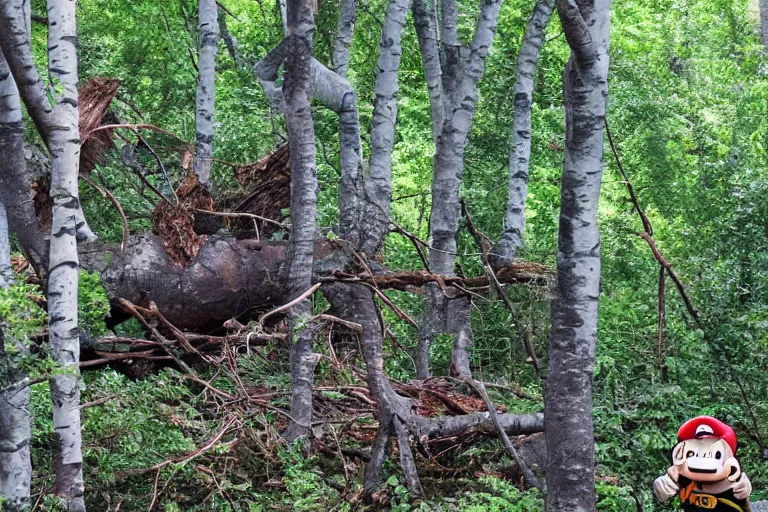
(208, 27)
(460, 85)
(335, 93)
(568, 399)
(449, 426)
(764, 22)
(15, 180)
(63, 263)
(15, 43)
(301, 249)
(15, 425)
(425, 21)
(345, 30)
(511, 239)
(378, 185)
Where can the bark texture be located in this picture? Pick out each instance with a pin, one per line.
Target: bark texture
(568, 399)
(6, 272)
(345, 30)
(15, 26)
(208, 27)
(378, 185)
(511, 239)
(461, 75)
(63, 264)
(15, 424)
(425, 21)
(764, 22)
(301, 136)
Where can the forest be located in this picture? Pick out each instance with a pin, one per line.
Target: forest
(396, 255)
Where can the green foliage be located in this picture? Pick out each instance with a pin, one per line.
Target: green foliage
(93, 304)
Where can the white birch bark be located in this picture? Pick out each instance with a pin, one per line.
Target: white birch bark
(568, 398)
(208, 27)
(15, 33)
(511, 239)
(15, 424)
(378, 185)
(63, 262)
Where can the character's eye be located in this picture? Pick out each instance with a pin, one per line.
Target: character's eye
(689, 453)
(718, 455)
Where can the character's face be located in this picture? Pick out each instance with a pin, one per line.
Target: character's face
(706, 460)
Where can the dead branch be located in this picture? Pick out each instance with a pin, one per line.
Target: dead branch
(530, 478)
(106, 193)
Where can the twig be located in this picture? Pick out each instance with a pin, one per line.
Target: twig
(417, 243)
(524, 469)
(183, 460)
(485, 246)
(284, 307)
(97, 402)
(632, 196)
(396, 310)
(134, 127)
(243, 214)
(106, 193)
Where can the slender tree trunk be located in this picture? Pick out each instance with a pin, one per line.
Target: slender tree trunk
(301, 135)
(345, 30)
(15, 43)
(511, 239)
(764, 22)
(6, 272)
(15, 462)
(63, 264)
(208, 25)
(378, 186)
(568, 400)
(425, 21)
(460, 86)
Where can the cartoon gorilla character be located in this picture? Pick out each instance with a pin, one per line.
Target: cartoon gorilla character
(704, 472)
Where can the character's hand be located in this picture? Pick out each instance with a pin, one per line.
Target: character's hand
(742, 488)
(665, 487)
(674, 472)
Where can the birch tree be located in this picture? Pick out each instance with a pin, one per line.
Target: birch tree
(208, 33)
(15, 462)
(568, 398)
(511, 239)
(763, 8)
(462, 69)
(59, 125)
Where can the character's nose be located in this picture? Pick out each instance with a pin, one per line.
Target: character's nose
(703, 465)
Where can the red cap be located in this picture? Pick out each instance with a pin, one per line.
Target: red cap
(707, 426)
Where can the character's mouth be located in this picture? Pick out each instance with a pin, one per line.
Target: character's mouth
(695, 470)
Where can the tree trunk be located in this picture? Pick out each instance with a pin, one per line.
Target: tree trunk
(15, 43)
(511, 239)
(63, 264)
(568, 400)
(301, 136)
(460, 80)
(425, 21)
(345, 30)
(15, 425)
(208, 25)
(764, 22)
(378, 186)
